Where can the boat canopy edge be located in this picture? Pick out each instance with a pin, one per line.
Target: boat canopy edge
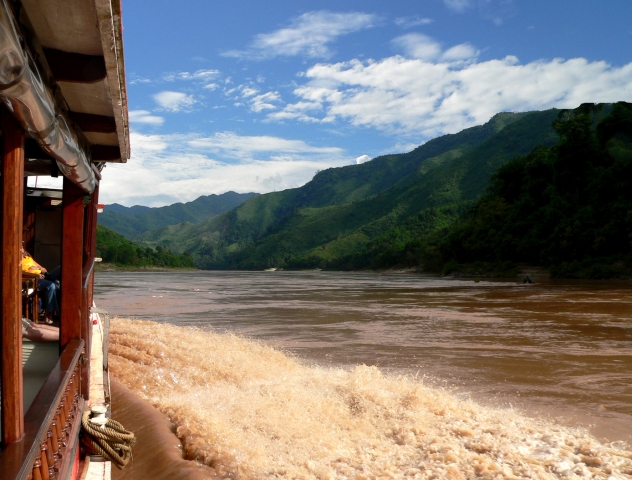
(32, 104)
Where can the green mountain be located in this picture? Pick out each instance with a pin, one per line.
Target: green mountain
(132, 221)
(342, 210)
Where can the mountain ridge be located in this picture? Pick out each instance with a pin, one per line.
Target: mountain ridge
(272, 229)
(132, 221)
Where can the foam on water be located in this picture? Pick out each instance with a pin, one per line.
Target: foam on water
(250, 411)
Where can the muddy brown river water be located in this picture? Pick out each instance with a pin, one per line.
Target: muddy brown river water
(556, 350)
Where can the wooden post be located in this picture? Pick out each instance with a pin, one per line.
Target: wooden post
(90, 245)
(11, 278)
(73, 316)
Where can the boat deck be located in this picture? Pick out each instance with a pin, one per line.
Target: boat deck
(38, 360)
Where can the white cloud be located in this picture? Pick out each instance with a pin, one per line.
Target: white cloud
(429, 98)
(148, 144)
(417, 45)
(458, 5)
(178, 168)
(249, 91)
(309, 34)
(461, 52)
(263, 102)
(415, 21)
(238, 146)
(362, 159)
(297, 111)
(201, 75)
(136, 80)
(145, 116)
(174, 101)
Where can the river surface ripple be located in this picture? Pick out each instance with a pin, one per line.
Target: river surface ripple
(558, 349)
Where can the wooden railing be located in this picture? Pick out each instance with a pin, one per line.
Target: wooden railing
(51, 426)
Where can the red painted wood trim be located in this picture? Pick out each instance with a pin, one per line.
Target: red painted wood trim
(11, 279)
(71, 263)
(17, 459)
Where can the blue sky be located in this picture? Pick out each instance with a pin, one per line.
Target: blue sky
(257, 96)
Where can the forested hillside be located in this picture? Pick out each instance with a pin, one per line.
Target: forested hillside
(114, 248)
(132, 221)
(343, 211)
(567, 207)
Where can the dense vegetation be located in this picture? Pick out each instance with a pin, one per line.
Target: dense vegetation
(114, 248)
(567, 207)
(132, 221)
(347, 216)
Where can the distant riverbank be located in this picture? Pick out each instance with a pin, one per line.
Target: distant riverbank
(112, 267)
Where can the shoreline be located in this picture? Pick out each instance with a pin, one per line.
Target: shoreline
(158, 450)
(111, 267)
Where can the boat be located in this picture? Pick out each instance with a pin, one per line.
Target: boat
(63, 114)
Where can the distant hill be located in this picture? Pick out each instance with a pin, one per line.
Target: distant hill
(342, 210)
(132, 221)
(116, 249)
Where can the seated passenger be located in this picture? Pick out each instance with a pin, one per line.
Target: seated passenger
(48, 290)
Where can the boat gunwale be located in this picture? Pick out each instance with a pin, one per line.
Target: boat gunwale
(17, 458)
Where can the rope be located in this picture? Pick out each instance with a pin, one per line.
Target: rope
(113, 441)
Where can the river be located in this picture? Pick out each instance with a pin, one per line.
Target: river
(556, 351)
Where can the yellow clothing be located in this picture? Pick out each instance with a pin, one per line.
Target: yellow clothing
(29, 265)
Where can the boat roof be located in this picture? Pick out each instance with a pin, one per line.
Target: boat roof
(82, 45)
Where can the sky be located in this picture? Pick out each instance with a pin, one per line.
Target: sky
(255, 96)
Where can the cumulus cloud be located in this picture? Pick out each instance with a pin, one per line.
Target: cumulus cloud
(362, 159)
(174, 101)
(309, 35)
(178, 168)
(145, 117)
(429, 98)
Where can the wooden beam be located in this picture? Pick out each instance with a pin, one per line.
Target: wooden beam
(75, 67)
(10, 279)
(106, 153)
(93, 123)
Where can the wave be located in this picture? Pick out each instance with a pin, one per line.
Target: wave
(250, 411)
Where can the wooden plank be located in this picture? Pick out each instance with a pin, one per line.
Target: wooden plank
(75, 67)
(11, 279)
(106, 153)
(89, 122)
